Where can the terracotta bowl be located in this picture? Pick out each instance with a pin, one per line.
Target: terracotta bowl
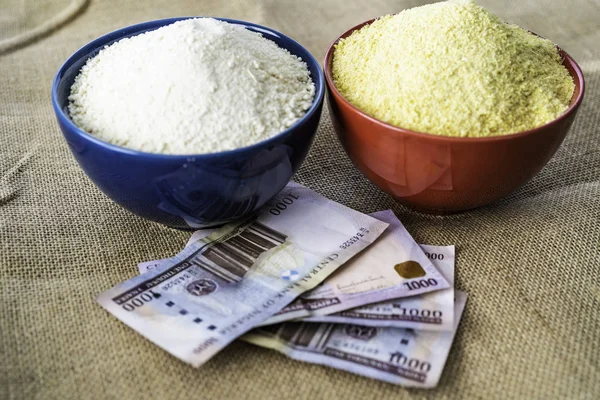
(437, 174)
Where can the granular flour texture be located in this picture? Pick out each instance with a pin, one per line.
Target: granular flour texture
(452, 69)
(196, 86)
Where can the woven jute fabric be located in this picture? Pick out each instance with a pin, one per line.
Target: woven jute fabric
(530, 263)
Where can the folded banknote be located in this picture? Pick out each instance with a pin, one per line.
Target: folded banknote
(430, 311)
(401, 356)
(393, 267)
(222, 285)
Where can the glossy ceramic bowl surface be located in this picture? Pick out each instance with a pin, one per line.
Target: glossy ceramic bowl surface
(188, 191)
(438, 174)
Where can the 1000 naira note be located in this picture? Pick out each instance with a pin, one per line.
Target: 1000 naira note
(219, 287)
(400, 356)
(394, 267)
(430, 311)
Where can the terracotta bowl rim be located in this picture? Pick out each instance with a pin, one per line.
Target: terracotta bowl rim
(577, 78)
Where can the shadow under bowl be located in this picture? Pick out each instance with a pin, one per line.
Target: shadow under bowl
(189, 191)
(439, 174)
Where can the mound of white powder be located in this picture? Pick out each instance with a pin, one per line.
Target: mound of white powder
(196, 86)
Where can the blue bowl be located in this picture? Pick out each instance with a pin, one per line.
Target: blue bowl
(188, 191)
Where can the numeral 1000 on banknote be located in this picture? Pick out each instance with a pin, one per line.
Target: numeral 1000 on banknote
(282, 204)
(421, 283)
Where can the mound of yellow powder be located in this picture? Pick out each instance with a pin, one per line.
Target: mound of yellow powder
(452, 69)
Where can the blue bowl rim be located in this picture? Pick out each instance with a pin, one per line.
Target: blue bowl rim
(153, 25)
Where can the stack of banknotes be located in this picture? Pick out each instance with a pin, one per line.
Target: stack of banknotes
(309, 278)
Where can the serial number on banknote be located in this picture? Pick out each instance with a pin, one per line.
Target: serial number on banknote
(360, 234)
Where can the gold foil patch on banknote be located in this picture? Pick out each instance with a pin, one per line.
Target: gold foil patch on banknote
(410, 270)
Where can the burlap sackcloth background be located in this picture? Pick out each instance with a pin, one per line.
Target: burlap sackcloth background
(531, 263)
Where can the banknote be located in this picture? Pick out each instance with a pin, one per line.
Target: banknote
(430, 311)
(400, 356)
(221, 286)
(393, 267)
(146, 266)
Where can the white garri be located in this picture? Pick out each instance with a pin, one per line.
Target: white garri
(196, 86)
